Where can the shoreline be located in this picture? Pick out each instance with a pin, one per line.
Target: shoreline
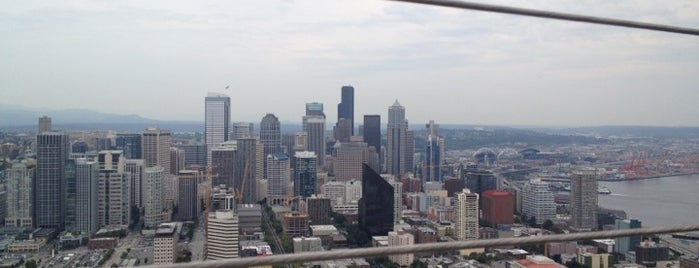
(652, 177)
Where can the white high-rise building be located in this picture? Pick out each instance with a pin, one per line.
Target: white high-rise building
(583, 199)
(216, 120)
(114, 205)
(397, 239)
(538, 201)
(242, 130)
(153, 196)
(278, 178)
(222, 235)
(19, 193)
(314, 126)
(155, 148)
(86, 197)
(466, 215)
(135, 168)
(397, 200)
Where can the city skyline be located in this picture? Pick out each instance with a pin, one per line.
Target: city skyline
(471, 67)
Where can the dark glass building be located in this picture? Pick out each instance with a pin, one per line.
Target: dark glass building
(130, 144)
(345, 109)
(372, 132)
(479, 180)
(376, 205)
(305, 173)
(52, 151)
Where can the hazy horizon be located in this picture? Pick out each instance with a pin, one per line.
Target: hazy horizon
(158, 60)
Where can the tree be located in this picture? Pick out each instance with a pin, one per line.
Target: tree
(418, 264)
(532, 221)
(547, 225)
(30, 264)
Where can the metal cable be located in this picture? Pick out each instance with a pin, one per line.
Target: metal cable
(430, 247)
(555, 15)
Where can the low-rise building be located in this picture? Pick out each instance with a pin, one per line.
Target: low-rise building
(164, 244)
(307, 244)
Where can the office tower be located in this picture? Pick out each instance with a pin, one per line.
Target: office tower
(314, 126)
(270, 134)
(466, 216)
(627, 243)
(51, 155)
(222, 235)
(319, 209)
(479, 181)
(248, 165)
(583, 199)
(278, 176)
(400, 146)
(537, 201)
(130, 144)
(216, 119)
(498, 207)
(155, 144)
(305, 173)
(342, 130)
(349, 157)
(314, 108)
(114, 194)
(135, 168)
(372, 133)
(399, 239)
(85, 189)
(376, 215)
(223, 163)
(194, 154)
(434, 154)
(102, 143)
(345, 109)
(164, 243)
(153, 196)
(242, 130)
(288, 143)
(249, 218)
(44, 124)
(176, 160)
(82, 147)
(187, 201)
(19, 195)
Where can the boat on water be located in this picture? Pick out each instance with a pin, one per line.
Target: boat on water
(603, 190)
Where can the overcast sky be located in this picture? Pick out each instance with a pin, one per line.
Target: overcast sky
(158, 59)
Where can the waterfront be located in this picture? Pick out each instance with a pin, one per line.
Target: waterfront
(656, 202)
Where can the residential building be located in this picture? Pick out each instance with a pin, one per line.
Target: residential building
(538, 201)
(222, 235)
(466, 216)
(153, 196)
(583, 199)
(278, 177)
(187, 205)
(19, 195)
(400, 239)
(164, 243)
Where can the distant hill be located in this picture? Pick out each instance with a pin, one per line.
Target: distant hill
(11, 115)
(635, 131)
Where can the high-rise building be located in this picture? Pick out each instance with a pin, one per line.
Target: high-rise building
(242, 130)
(135, 168)
(498, 207)
(248, 168)
(583, 199)
(155, 144)
(399, 239)
(372, 133)
(538, 201)
(627, 243)
(82, 147)
(81, 196)
(400, 146)
(270, 134)
(305, 173)
(44, 124)
(288, 140)
(278, 176)
(376, 207)
(319, 209)
(130, 144)
(216, 120)
(222, 235)
(187, 202)
(479, 180)
(51, 155)
(223, 163)
(153, 196)
(314, 126)
(315, 108)
(466, 216)
(19, 195)
(434, 154)
(114, 195)
(397, 198)
(342, 130)
(345, 109)
(349, 157)
(194, 154)
(164, 242)
(176, 160)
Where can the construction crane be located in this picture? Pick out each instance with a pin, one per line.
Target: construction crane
(240, 191)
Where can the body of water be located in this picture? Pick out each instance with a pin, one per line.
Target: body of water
(656, 202)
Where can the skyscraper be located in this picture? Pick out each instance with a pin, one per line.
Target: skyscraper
(217, 118)
(376, 207)
(305, 173)
(349, 157)
(583, 199)
(315, 108)
(278, 176)
(187, 202)
(538, 201)
(155, 144)
(114, 194)
(479, 180)
(400, 145)
(223, 163)
(319, 209)
(372, 133)
(51, 155)
(19, 195)
(628, 243)
(86, 198)
(130, 144)
(153, 196)
(466, 216)
(345, 109)
(270, 134)
(44, 124)
(314, 126)
(434, 154)
(248, 168)
(135, 168)
(242, 130)
(222, 235)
